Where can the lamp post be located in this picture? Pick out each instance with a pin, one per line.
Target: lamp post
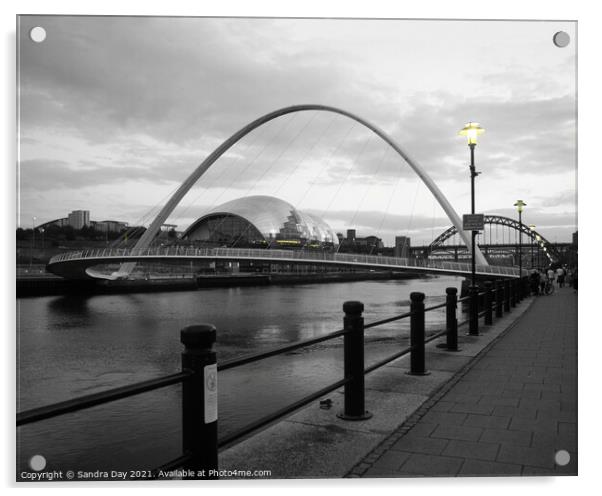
(532, 227)
(33, 240)
(520, 205)
(472, 130)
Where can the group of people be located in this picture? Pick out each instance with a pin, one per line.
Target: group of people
(540, 279)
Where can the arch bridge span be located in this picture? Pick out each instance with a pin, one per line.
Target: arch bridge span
(532, 234)
(79, 265)
(145, 240)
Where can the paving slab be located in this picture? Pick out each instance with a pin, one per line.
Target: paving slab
(511, 410)
(430, 412)
(295, 450)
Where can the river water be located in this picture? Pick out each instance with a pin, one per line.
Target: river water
(70, 346)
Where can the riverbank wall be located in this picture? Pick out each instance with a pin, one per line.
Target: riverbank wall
(49, 286)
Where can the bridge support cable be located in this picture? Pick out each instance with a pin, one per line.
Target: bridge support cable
(236, 177)
(368, 184)
(393, 190)
(277, 158)
(308, 151)
(153, 229)
(139, 223)
(386, 212)
(271, 163)
(332, 153)
(342, 183)
(411, 217)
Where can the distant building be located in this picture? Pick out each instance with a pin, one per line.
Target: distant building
(371, 245)
(575, 238)
(110, 226)
(371, 242)
(57, 222)
(402, 246)
(79, 218)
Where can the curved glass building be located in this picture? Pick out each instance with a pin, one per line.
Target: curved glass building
(260, 221)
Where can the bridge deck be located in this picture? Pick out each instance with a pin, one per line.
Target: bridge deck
(77, 265)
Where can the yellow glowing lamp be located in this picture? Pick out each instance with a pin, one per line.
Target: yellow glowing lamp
(520, 205)
(471, 131)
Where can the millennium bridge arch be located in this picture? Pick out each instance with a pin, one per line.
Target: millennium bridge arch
(146, 239)
(532, 234)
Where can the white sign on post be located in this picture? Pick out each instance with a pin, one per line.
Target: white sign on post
(210, 380)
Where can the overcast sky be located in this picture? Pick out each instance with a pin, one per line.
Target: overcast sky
(116, 112)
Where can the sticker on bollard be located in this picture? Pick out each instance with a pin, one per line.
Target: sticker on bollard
(210, 380)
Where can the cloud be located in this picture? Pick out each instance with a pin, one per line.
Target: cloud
(208, 79)
(567, 198)
(57, 174)
(108, 100)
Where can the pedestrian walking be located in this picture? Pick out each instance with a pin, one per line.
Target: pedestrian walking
(560, 276)
(574, 279)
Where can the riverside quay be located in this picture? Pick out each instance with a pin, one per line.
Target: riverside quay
(272, 248)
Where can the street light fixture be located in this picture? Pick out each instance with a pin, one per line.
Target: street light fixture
(472, 130)
(520, 205)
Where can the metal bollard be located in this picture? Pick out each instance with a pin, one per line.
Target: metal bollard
(499, 298)
(521, 284)
(353, 346)
(417, 334)
(199, 400)
(507, 290)
(473, 311)
(488, 303)
(452, 319)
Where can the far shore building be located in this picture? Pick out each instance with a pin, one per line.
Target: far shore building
(402, 247)
(78, 219)
(110, 226)
(262, 222)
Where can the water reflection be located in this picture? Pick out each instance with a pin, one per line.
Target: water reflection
(107, 341)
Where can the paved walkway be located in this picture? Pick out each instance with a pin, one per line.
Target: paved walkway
(509, 412)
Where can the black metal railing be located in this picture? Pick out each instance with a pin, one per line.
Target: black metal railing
(199, 371)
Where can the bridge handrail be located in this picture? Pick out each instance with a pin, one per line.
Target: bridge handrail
(269, 254)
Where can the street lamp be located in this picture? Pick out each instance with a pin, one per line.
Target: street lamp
(520, 205)
(472, 130)
(532, 227)
(33, 240)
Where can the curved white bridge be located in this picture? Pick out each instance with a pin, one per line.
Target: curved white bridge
(79, 264)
